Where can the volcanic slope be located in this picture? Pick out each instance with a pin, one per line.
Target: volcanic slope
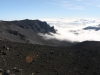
(26, 31)
(27, 59)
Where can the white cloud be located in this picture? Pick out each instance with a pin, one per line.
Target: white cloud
(75, 4)
(94, 3)
(67, 4)
(68, 27)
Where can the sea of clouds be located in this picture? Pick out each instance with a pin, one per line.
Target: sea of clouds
(73, 29)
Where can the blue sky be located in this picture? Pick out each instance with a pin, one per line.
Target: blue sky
(35, 9)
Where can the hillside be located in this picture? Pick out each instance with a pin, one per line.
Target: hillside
(27, 31)
(28, 59)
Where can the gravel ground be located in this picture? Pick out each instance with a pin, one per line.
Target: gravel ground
(28, 59)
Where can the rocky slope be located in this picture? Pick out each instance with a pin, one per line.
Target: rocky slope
(26, 31)
(29, 59)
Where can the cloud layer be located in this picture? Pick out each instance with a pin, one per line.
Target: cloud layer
(73, 29)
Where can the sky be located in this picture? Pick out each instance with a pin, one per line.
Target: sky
(37, 9)
(69, 17)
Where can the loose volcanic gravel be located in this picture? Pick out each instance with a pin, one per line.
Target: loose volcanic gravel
(28, 59)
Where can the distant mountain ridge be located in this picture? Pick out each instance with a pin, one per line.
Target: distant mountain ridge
(35, 25)
(26, 31)
(87, 44)
(96, 28)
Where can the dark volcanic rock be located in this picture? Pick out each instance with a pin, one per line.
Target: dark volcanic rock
(92, 28)
(34, 25)
(87, 44)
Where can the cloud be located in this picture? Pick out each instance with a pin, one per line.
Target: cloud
(67, 4)
(75, 4)
(94, 3)
(72, 30)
